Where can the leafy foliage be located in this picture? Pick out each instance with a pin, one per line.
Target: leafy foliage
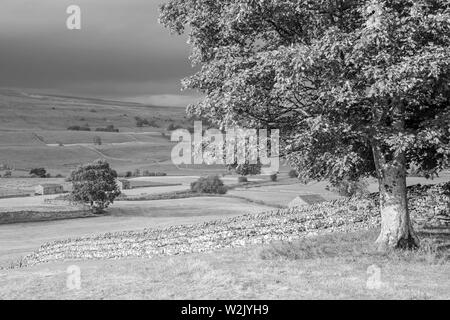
(357, 88)
(79, 128)
(242, 179)
(108, 128)
(97, 140)
(337, 77)
(349, 188)
(246, 169)
(293, 173)
(210, 184)
(39, 172)
(95, 184)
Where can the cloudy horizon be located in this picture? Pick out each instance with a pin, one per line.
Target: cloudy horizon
(121, 51)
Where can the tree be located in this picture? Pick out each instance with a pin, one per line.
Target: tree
(95, 184)
(209, 184)
(357, 88)
(39, 172)
(97, 140)
(246, 169)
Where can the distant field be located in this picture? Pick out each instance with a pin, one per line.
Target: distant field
(33, 133)
(29, 184)
(21, 111)
(15, 138)
(55, 160)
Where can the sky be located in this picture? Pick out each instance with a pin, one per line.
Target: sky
(121, 51)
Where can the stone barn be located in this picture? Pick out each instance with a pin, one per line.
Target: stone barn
(306, 200)
(124, 184)
(49, 188)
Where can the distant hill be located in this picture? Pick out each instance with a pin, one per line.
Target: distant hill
(29, 111)
(34, 132)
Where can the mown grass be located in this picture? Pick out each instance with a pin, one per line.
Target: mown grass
(335, 266)
(358, 246)
(187, 194)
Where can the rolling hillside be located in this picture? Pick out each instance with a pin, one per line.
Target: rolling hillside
(33, 133)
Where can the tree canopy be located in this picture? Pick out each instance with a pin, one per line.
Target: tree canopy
(356, 88)
(95, 184)
(332, 75)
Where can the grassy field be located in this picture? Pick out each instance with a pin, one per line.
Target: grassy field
(15, 186)
(33, 133)
(336, 266)
(22, 238)
(58, 113)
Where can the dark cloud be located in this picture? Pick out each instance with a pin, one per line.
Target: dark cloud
(121, 49)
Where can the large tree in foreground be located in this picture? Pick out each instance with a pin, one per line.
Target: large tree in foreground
(357, 88)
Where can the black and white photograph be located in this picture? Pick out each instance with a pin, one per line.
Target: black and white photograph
(224, 155)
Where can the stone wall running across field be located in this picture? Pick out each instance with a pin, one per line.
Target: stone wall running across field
(40, 216)
(283, 224)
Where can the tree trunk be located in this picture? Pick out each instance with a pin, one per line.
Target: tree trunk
(396, 227)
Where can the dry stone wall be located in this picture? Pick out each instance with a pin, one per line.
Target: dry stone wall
(283, 224)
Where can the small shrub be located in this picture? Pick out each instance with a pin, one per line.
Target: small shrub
(148, 173)
(109, 128)
(7, 174)
(140, 122)
(293, 174)
(128, 174)
(351, 188)
(273, 177)
(210, 184)
(173, 127)
(39, 172)
(79, 128)
(246, 169)
(97, 140)
(74, 128)
(242, 180)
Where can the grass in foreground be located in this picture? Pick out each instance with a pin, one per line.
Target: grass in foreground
(335, 266)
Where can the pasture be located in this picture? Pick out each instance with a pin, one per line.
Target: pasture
(22, 238)
(33, 133)
(20, 111)
(335, 266)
